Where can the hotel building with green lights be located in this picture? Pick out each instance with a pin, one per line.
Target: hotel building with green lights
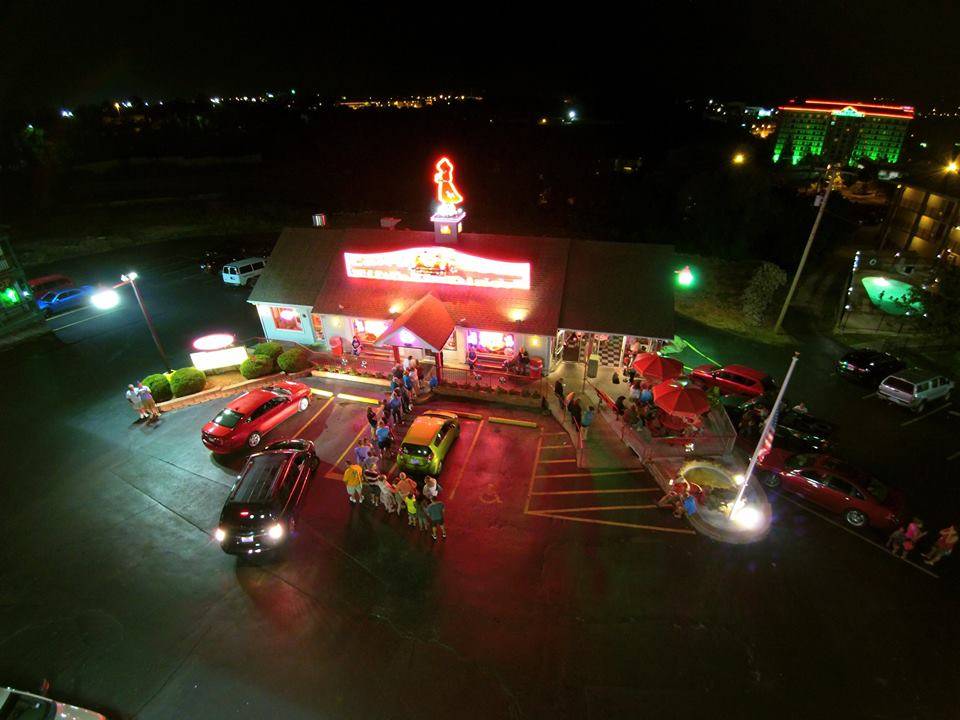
(832, 132)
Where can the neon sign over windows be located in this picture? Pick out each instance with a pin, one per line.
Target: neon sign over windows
(440, 265)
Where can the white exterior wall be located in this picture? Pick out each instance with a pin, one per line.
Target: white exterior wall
(270, 331)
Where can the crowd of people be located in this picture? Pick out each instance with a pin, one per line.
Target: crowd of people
(904, 541)
(365, 481)
(141, 399)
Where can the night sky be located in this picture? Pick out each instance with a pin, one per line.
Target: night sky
(65, 53)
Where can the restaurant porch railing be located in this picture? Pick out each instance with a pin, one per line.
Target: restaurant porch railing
(716, 437)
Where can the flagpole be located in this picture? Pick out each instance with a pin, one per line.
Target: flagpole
(763, 435)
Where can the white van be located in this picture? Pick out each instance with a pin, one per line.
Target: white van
(915, 388)
(243, 272)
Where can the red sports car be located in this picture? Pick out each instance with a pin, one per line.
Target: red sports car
(252, 415)
(834, 485)
(734, 380)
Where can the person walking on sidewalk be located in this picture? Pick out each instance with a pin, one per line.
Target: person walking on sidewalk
(560, 393)
(435, 511)
(586, 420)
(372, 420)
(573, 405)
(133, 397)
(943, 546)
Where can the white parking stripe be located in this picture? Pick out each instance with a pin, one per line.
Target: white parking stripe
(783, 496)
(79, 322)
(954, 413)
(954, 456)
(866, 397)
(926, 415)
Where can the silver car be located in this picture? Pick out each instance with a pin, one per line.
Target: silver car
(915, 388)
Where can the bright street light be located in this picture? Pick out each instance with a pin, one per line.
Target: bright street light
(952, 166)
(739, 159)
(571, 115)
(129, 277)
(105, 299)
(685, 277)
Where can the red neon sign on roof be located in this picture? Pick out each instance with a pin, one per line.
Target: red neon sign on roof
(439, 265)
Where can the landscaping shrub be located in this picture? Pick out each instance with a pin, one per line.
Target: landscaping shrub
(256, 366)
(187, 381)
(293, 360)
(766, 280)
(159, 387)
(269, 349)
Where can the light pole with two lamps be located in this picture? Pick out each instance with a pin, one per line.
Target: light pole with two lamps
(106, 299)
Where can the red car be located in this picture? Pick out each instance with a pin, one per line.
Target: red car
(734, 380)
(834, 485)
(252, 415)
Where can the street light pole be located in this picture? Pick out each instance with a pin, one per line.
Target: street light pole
(131, 278)
(806, 252)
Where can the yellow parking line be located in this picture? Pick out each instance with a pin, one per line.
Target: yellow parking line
(313, 417)
(595, 521)
(321, 393)
(358, 398)
(600, 508)
(365, 428)
(593, 474)
(547, 462)
(549, 447)
(470, 416)
(511, 421)
(533, 472)
(466, 460)
(562, 432)
(595, 492)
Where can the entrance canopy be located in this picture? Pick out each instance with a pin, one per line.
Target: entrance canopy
(425, 324)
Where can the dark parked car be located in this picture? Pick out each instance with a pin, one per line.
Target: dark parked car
(212, 261)
(260, 513)
(868, 366)
(796, 431)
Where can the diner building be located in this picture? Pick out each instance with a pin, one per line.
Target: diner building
(436, 294)
(405, 291)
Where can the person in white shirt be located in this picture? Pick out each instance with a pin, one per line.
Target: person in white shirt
(133, 397)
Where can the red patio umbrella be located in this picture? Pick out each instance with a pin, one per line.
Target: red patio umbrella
(677, 399)
(655, 367)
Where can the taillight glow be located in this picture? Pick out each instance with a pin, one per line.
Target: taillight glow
(244, 513)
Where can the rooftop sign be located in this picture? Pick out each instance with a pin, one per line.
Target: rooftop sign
(439, 265)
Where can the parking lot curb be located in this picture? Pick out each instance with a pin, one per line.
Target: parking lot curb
(350, 378)
(510, 421)
(213, 394)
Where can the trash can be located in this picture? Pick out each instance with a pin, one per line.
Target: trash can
(593, 365)
(536, 368)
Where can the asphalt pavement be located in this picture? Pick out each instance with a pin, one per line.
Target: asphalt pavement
(112, 588)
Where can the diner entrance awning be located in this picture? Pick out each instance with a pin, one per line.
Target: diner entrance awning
(425, 324)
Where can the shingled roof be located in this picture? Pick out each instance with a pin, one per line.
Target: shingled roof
(295, 269)
(623, 288)
(427, 318)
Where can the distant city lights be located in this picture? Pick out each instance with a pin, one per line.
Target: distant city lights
(64, 113)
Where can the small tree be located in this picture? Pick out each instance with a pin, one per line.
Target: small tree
(159, 387)
(270, 349)
(256, 366)
(756, 298)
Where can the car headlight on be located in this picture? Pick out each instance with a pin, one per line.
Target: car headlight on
(275, 532)
(220, 534)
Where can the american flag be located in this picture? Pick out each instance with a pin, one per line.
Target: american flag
(770, 429)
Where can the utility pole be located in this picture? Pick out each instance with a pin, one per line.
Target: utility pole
(806, 252)
(146, 316)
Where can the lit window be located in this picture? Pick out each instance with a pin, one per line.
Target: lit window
(285, 318)
(370, 330)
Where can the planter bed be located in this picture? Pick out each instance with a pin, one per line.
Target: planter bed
(226, 390)
(487, 396)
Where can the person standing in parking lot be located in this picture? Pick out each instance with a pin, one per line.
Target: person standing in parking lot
(353, 479)
(372, 420)
(435, 512)
(146, 402)
(943, 546)
(914, 534)
(133, 397)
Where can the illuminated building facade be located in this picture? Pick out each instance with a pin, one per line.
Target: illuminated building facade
(925, 219)
(827, 131)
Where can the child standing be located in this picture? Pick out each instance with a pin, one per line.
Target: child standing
(411, 502)
(423, 519)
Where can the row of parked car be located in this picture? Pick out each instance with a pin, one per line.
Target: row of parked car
(261, 511)
(800, 461)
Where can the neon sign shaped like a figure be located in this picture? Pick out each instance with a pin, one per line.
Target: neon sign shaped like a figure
(447, 193)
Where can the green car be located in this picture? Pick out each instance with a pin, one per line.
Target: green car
(428, 441)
